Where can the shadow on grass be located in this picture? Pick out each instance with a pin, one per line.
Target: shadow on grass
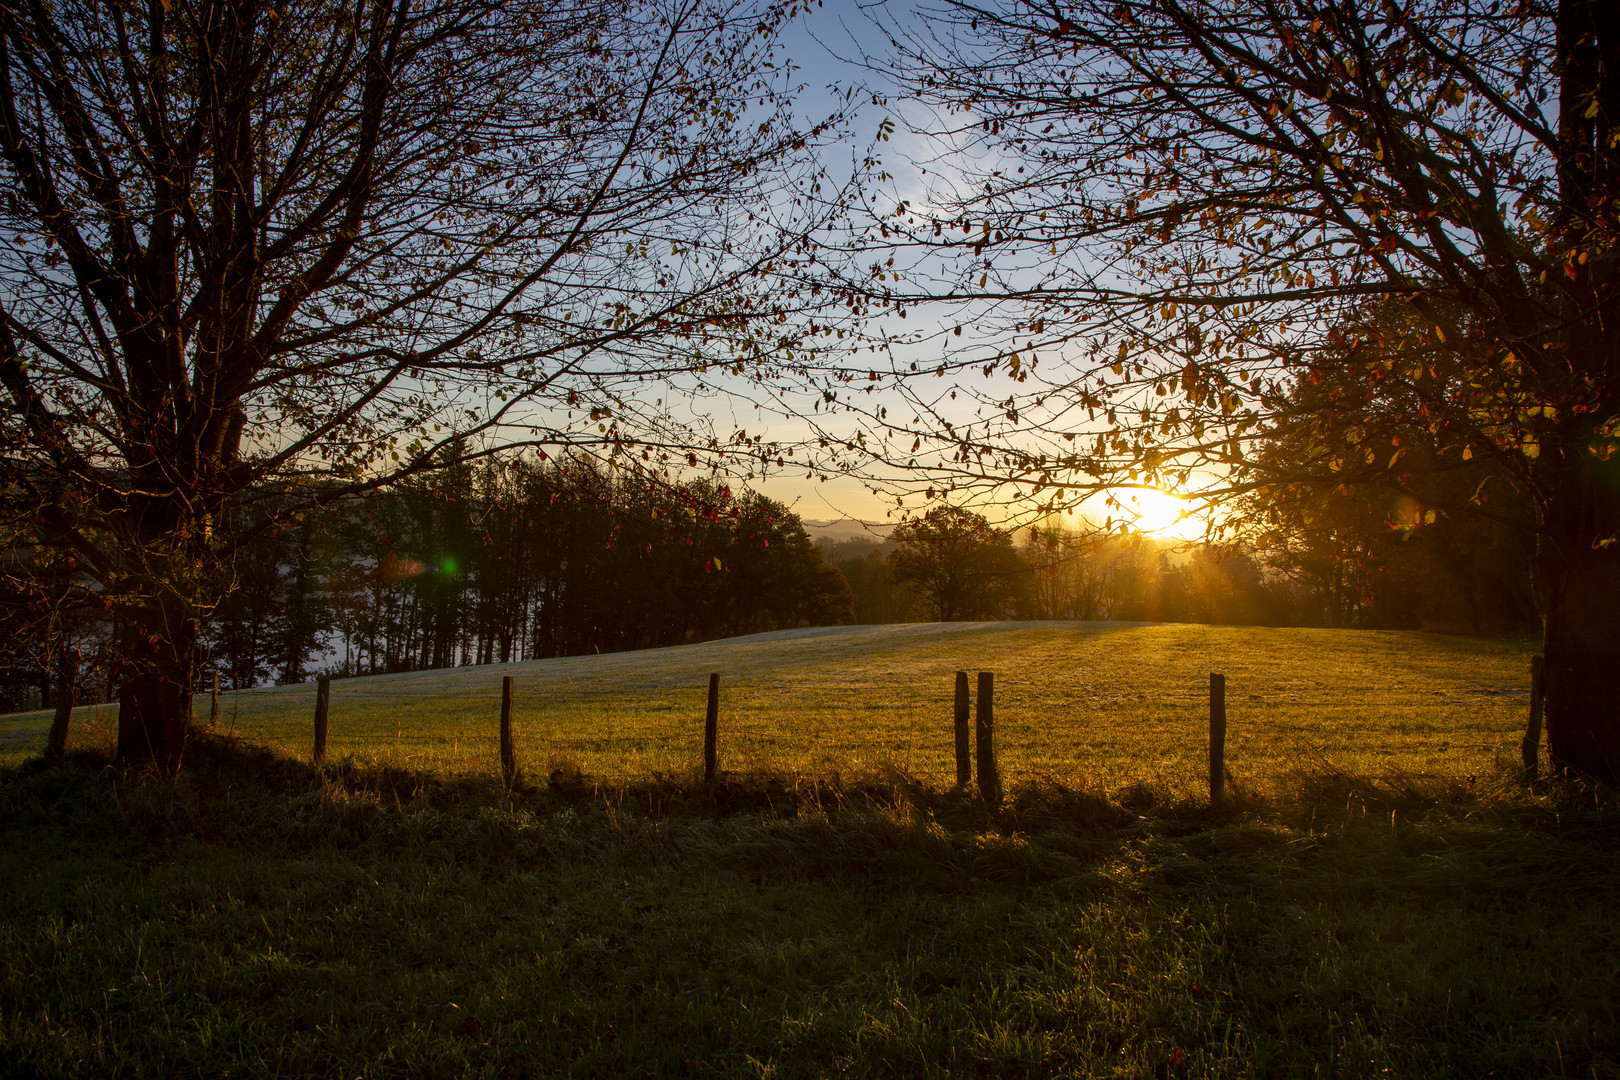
(243, 794)
(257, 916)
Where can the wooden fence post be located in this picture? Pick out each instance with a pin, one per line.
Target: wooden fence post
(964, 758)
(323, 699)
(1217, 738)
(508, 752)
(1530, 748)
(213, 704)
(711, 727)
(989, 775)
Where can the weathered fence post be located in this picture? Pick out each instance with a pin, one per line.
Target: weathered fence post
(1217, 738)
(989, 775)
(323, 699)
(508, 753)
(964, 759)
(711, 727)
(1531, 746)
(213, 704)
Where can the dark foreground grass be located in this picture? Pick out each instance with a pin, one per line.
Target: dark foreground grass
(256, 918)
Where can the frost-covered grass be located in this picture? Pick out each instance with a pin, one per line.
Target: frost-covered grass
(1099, 703)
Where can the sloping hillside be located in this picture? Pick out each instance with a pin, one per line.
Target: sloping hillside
(1114, 702)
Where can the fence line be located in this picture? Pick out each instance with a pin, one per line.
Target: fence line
(711, 729)
(988, 769)
(1217, 738)
(964, 763)
(508, 750)
(323, 700)
(982, 752)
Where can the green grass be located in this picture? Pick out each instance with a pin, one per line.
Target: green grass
(1109, 702)
(1373, 905)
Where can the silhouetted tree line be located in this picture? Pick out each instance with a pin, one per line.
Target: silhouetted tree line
(1325, 558)
(508, 560)
(519, 559)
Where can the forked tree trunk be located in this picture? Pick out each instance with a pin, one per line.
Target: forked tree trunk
(154, 693)
(157, 652)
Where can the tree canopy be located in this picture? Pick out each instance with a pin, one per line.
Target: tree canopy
(282, 248)
(965, 567)
(1174, 214)
(1268, 253)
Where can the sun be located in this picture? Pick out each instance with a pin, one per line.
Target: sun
(1159, 513)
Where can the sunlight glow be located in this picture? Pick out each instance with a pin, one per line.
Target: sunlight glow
(1159, 513)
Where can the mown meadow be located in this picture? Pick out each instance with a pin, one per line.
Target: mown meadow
(1093, 703)
(1381, 895)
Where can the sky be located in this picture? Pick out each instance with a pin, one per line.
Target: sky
(823, 44)
(827, 46)
(834, 47)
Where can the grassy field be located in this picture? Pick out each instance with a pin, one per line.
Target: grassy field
(1109, 703)
(1382, 896)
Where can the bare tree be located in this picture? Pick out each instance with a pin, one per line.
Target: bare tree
(306, 246)
(1173, 212)
(1066, 571)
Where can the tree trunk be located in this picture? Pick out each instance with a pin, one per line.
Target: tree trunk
(1583, 664)
(154, 690)
(67, 694)
(1582, 633)
(1583, 511)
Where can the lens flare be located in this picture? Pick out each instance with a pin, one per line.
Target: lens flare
(394, 568)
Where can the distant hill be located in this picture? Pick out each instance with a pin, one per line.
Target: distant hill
(848, 529)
